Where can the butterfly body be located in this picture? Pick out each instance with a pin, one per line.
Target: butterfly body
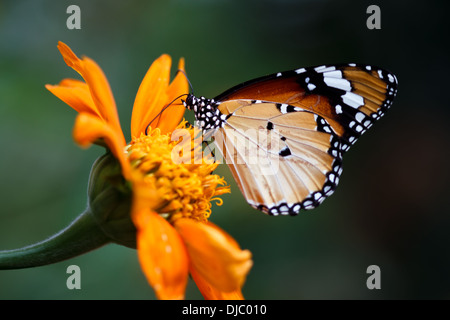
(284, 135)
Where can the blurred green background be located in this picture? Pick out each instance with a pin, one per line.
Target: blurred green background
(390, 210)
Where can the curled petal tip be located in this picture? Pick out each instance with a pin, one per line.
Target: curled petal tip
(69, 56)
(181, 64)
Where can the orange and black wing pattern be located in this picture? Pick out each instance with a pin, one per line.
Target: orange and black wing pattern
(284, 135)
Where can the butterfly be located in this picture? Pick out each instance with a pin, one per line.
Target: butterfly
(284, 135)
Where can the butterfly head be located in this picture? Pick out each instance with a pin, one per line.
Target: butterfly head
(206, 112)
(189, 102)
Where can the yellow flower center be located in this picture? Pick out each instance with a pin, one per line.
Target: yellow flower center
(183, 181)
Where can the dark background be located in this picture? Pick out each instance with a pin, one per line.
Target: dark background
(390, 210)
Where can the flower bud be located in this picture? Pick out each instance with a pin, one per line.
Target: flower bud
(110, 201)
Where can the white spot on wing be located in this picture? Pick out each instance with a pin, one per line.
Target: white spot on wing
(324, 69)
(353, 100)
(391, 78)
(301, 70)
(380, 74)
(333, 74)
(360, 117)
(331, 177)
(311, 86)
(338, 83)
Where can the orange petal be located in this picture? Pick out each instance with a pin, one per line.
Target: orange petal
(98, 85)
(89, 128)
(151, 96)
(143, 195)
(174, 114)
(162, 255)
(76, 94)
(211, 293)
(214, 255)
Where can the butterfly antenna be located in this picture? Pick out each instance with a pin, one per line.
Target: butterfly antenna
(190, 84)
(163, 109)
(192, 90)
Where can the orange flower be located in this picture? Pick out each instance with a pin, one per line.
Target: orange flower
(171, 202)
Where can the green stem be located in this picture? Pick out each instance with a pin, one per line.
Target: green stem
(81, 236)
